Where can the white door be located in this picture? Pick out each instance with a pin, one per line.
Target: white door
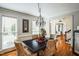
(9, 32)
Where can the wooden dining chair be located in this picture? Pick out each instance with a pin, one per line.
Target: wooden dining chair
(21, 51)
(51, 48)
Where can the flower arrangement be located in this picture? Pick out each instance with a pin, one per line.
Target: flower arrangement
(43, 32)
(41, 35)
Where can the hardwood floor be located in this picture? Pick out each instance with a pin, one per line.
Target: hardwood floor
(12, 53)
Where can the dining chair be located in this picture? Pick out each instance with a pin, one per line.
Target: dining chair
(51, 48)
(63, 49)
(34, 36)
(21, 51)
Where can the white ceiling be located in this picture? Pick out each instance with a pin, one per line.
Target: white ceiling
(47, 9)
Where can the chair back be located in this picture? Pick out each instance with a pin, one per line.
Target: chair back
(51, 43)
(34, 36)
(51, 48)
(20, 49)
(63, 49)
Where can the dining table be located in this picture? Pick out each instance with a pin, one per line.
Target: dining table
(34, 46)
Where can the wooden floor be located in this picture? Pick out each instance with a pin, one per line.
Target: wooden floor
(12, 53)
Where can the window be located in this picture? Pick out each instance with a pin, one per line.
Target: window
(9, 31)
(35, 29)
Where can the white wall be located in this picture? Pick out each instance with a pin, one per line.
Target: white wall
(0, 33)
(68, 21)
(76, 19)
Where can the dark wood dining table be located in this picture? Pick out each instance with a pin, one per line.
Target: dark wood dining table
(34, 46)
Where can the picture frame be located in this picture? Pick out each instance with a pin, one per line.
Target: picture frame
(25, 25)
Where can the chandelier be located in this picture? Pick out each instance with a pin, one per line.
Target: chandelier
(40, 22)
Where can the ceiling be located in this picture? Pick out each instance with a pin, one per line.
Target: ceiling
(47, 9)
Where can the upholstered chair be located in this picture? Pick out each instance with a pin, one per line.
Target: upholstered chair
(34, 36)
(51, 48)
(63, 49)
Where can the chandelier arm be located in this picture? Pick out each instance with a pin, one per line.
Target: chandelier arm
(40, 22)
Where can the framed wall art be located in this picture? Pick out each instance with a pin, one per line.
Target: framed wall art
(25, 25)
